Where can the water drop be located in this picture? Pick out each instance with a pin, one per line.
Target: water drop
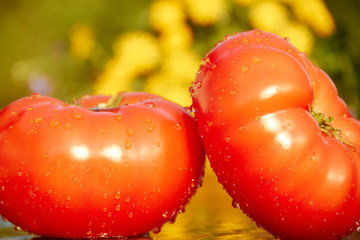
(20, 173)
(54, 123)
(130, 215)
(235, 204)
(119, 117)
(150, 104)
(127, 199)
(287, 39)
(38, 120)
(197, 84)
(256, 60)
(77, 115)
(178, 126)
(105, 196)
(245, 68)
(68, 198)
(130, 132)
(150, 128)
(156, 230)
(127, 144)
(117, 208)
(227, 139)
(67, 126)
(117, 195)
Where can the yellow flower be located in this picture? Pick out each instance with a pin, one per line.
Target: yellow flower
(300, 36)
(135, 53)
(245, 2)
(165, 14)
(169, 87)
(179, 38)
(82, 41)
(138, 50)
(270, 16)
(205, 12)
(315, 14)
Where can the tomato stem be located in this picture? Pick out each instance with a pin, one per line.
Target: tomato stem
(325, 126)
(112, 103)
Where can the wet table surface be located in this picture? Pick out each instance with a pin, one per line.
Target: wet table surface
(209, 215)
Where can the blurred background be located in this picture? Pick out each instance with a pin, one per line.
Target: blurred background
(68, 48)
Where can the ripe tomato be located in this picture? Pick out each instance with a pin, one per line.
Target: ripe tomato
(278, 136)
(71, 171)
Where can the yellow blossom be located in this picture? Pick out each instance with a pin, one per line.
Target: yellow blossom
(300, 35)
(179, 38)
(82, 41)
(135, 53)
(165, 14)
(139, 50)
(205, 12)
(270, 16)
(315, 14)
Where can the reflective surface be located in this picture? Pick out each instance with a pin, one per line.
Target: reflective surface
(210, 215)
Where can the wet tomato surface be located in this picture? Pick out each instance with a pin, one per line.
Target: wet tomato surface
(279, 138)
(88, 171)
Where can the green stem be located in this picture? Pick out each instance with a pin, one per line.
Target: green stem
(325, 126)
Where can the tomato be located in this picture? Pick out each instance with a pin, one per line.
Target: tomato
(279, 138)
(85, 171)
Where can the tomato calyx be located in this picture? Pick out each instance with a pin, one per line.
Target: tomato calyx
(325, 126)
(112, 103)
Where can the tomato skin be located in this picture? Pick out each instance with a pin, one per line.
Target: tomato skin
(251, 99)
(67, 171)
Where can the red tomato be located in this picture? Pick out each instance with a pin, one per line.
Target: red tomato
(68, 171)
(263, 111)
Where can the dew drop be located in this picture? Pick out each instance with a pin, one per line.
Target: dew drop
(197, 84)
(256, 60)
(150, 104)
(38, 120)
(150, 128)
(105, 196)
(77, 115)
(156, 230)
(117, 208)
(235, 204)
(227, 139)
(67, 126)
(130, 132)
(245, 68)
(68, 198)
(54, 123)
(178, 126)
(127, 199)
(127, 144)
(30, 109)
(117, 195)
(20, 173)
(130, 215)
(119, 117)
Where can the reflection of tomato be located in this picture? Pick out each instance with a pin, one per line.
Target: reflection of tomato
(262, 110)
(67, 171)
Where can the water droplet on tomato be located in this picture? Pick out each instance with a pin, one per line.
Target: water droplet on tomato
(156, 230)
(227, 139)
(256, 60)
(117, 208)
(77, 115)
(127, 144)
(127, 199)
(235, 204)
(67, 126)
(119, 117)
(150, 104)
(197, 84)
(130, 132)
(68, 198)
(20, 173)
(105, 196)
(117, 195)
(258, 32)
(178, 126)
(150, 128)
(245, 68)
(30, 109)
(54, 123)
(131, 214)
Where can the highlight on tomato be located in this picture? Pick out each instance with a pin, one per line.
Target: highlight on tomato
(279, 138)
(102, 167)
